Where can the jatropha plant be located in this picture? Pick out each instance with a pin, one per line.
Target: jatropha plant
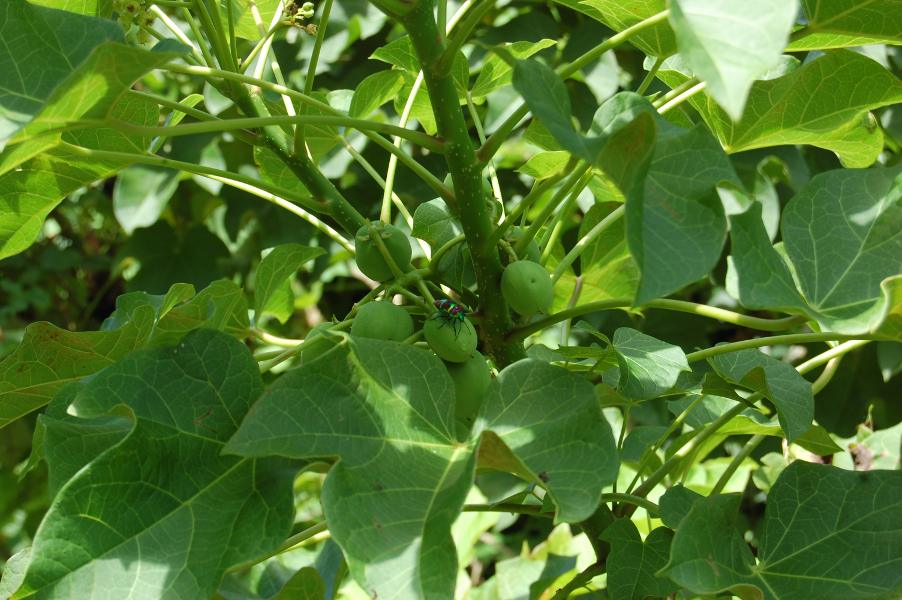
(418, 299)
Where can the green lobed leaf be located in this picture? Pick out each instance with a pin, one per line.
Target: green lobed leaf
(186, 401)
(387, 410)
(778, 381)
(50, 357)
(374, 91)
(633, 563)
(275, 270)
(824, 103)
(843, 234)
(551, 422)
(620, 14)
(398, 53)
(676, 503)
(827, 533)
(843, 23)
(731, 43)
(648, 366)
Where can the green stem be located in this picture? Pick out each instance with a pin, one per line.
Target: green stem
(671, 104)
(675, 92)
(581, 580)
(703, 435)
(210, 126)
(584, 242)
(538, 189)
(650, 76)
(774, 340)
(317, 46)
(563, 192)
(460, 157)
(192, 23)
(535, 509)
(159, 161)
(824, 357)
(738, 459)
(287, 545)
(712, 312)
(551, 235)
(461, 33)
(443, 249)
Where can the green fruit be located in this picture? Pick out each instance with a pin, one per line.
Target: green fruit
(370, 260)
(532, 251)
(382, 321)
(471, 378)
(452, 340)
(313, 350)
(527, 287)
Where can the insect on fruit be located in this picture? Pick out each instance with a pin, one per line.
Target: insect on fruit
(451, 312)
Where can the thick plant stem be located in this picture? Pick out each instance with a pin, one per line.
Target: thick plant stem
(470, 204)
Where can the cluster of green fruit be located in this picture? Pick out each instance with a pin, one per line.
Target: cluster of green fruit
(384, 251)
(137, 13)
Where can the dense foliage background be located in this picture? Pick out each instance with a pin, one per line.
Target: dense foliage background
(792, 145)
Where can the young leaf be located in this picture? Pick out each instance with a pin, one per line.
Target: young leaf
(776, 380)
(648, 366)
(633, 564)
(398, 53)
(275, 270)
(567, 444)
(843, 234)
(186, 402)
(374, 91)
(731, 43)
(827, 533)
(495, 72)
(844, 23)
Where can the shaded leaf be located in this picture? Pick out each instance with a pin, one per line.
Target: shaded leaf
(676, 227)
(185, 402)
(607, 268)
(306, 584)
(567, 445)
(778, 381)
(50, 357)
(756, 274)
(633, 564)
(827, 533)
(676, 503)
(731, 43)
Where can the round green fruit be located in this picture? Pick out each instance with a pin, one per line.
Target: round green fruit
(471, 379)
(314, 349)
(532, 251)
(452, 340)
(382, 321)
(370, 260)
(527, 287)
